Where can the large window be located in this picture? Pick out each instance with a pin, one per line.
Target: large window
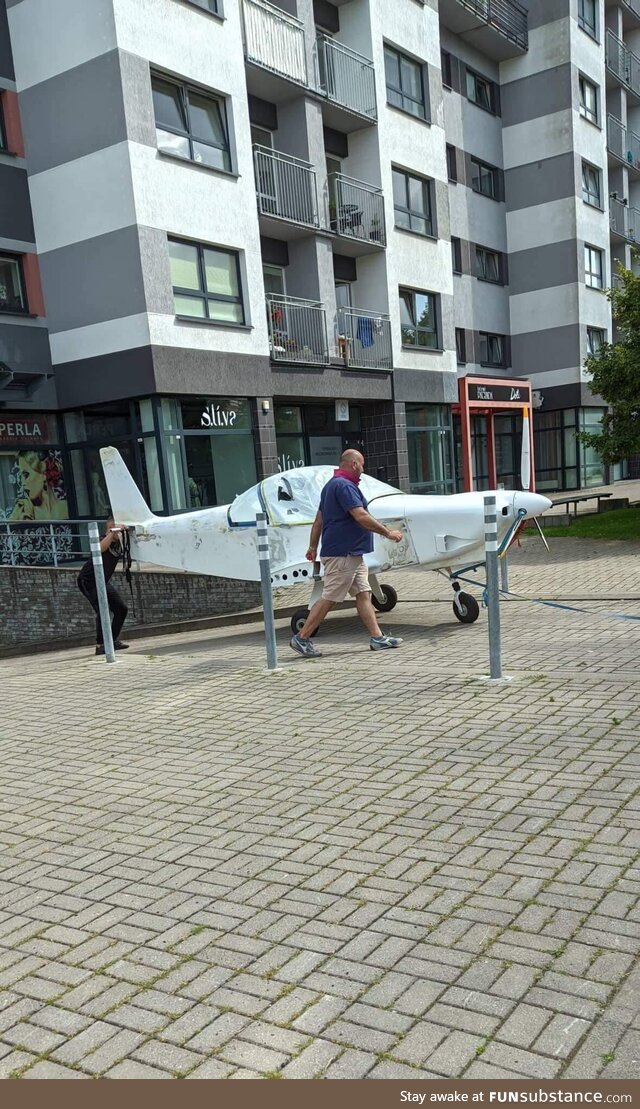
(480, 91)
(405, 83)
(595, 338)
(587, 16)
(591, 191)
(452, 169)
(588, 100)
(412, 202)
(484, 178)
(12, 295)
(191, 124)
(430, 443)
(593, 268)
(492, 350)
(206, 282)
(461, 346)
(488, 264)
(208, 5)
(592, 468)
(418, 319)
(456, 254)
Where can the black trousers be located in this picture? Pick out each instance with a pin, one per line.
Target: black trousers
(116, 605)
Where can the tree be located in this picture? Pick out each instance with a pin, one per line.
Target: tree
(615, 375)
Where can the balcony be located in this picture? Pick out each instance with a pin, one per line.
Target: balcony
(297, 330)
(364, 339)
(356, 214)
(285, 190)
(630, 13)
(498, 28)
(274, 41)
(624, 221)
(623, 145)
(622, 65)
(347, 80)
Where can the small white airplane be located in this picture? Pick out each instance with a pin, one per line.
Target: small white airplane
(441, 533)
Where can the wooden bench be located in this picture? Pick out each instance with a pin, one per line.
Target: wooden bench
(582, 497)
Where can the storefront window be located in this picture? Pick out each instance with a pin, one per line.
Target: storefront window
(104, 423)
(592, 470)
(430, 442)
(151, 473)
(310, 435)
(170, 413)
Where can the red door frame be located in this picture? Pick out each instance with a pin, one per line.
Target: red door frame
(468, 407)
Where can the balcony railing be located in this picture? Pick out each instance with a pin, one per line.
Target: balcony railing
(274, 40)
(506, 16)
(632, 6)
(623, 143)
(364, 339)
(297, 330)
(356, 209)
(346, 77)
(623, 63)
(285, 186)
(624, 221)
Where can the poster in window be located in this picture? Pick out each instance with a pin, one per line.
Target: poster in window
(32, 488)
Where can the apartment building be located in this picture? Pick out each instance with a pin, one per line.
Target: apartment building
(237, 237)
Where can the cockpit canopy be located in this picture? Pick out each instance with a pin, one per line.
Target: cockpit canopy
(293, 497)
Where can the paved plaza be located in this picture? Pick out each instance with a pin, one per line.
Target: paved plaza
(367, 865)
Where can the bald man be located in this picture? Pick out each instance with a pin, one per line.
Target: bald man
(347, 529)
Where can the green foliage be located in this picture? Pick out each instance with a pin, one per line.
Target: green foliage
(623, 523)
(615, 375)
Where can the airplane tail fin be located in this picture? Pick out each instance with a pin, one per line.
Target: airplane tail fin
(127, 503)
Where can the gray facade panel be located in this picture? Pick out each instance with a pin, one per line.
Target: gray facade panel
(15, 206)
(540, 94)
(24, 348)
(552, 348)
(543, 267)
(94, 280)
(425, 386)
(6, 61)
(540, 182)
(547, 11)
(127, 373)
(74, 113)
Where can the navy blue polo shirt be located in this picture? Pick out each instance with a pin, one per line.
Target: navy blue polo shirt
(341, 534)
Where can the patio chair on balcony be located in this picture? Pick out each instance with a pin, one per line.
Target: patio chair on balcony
(350, 219)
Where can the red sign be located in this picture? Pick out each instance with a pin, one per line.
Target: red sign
(21, 430)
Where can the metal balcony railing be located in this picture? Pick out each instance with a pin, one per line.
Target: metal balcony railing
(622, 62)
(364, 339)
(356, 209)
(274, 40)
(297, 330)
(623, 143)
(624, 221)
(633, 6)
(285, 186)
(346, 77)
(506, 16)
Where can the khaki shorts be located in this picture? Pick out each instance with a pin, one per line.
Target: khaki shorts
(344, 575)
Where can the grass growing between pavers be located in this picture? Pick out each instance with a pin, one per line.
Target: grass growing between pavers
(622, 523)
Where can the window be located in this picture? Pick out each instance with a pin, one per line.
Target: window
(430, 448)
(480, 91)
(445, 62)
(418, 322)
(595, 338)
(405, 84)
(456, 255)
(484, 178)
(461, 346)
(593, 275)
(206, 282)
(191, 124)
(588, 100)
(12, 296)
(492, 349)
(208, 5)
(488, 264)
(452, 171)
(587, 12)
(412, 202)
(591, 185)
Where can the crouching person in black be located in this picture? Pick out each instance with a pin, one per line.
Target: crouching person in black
(111, 548)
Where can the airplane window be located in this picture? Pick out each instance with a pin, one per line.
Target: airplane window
(285, 494)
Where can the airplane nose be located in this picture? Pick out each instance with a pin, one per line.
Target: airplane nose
(534, 504)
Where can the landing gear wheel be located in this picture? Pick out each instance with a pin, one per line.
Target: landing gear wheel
(299, 619)
(390, 599)
(469, 608)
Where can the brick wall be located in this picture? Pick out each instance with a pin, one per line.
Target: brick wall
(384, 429)
(38, 605)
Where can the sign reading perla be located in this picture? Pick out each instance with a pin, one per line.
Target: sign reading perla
(518, 394)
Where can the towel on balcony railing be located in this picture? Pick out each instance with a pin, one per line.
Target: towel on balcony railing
(364, 331)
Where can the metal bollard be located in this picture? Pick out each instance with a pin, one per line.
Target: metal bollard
(493, 592)
(267, 594)
(101, 591)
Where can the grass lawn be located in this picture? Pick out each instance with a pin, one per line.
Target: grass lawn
(624, 523)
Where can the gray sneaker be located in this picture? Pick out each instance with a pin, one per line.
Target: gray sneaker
(384, 642)
(304, 647)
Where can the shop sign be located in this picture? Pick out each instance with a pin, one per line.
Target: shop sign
(23, 429)
(515, 394)
(224, 414)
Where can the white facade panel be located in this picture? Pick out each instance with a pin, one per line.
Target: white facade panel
(99, 338)
(51, 36)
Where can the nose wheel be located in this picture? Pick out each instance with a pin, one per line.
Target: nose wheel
(465, 607)
(299, 619)
(389, 599)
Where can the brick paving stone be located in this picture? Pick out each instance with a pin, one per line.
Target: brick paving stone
(131, 1068)
(454, 1054)
(14, 1062)
(524, 1025)
(266, 1035)
(351, 1064)
(46, 1069)
(31, 1038)
(313, 1061)
(111, 1052)
(167, 1057)
(252, 1056)
(187, 1025)
(525, 1063)
(219, 1032)
(356, 1035)
(84, 1043)
(419, 1044)
(212, 1068)
(561, 1036)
